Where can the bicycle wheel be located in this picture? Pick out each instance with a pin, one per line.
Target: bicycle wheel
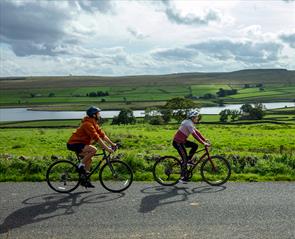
(116, 176)
(215, 171)
(63, 176)
(167, 171)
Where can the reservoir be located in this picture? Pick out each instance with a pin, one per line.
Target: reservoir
(24, 114)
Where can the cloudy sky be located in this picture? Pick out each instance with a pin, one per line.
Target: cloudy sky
(135, 37)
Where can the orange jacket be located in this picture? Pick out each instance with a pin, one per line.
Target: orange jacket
(88, 131)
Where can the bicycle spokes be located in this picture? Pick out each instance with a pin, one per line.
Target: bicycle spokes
(116, 176)
(215, 171)
(62, 176)
(167, 171)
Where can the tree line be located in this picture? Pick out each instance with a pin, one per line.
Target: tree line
(246, 112)
(177, 108)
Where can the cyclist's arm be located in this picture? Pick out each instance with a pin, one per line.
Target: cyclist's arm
(198, 136)
(107, 139)
(104, 145)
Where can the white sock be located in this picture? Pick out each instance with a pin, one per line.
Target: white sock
(81, 165)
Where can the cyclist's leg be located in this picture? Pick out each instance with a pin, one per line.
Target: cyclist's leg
(77, 148)
(183, 154)
(88, 152)
(193, 146)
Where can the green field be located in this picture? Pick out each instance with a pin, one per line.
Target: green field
(257, 152)
(268, 92)
(136, 97)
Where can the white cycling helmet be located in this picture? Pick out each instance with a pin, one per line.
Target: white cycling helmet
(193, 113)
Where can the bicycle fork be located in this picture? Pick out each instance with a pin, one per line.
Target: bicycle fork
(214, 168)
(112, 169)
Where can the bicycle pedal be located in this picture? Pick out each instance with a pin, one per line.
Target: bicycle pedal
(87, 184)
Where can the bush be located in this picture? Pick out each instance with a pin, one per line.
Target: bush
(252, 113)
(125, 117)
(156, 120)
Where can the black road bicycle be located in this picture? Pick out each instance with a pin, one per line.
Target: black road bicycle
(114, 175)
(215, 170)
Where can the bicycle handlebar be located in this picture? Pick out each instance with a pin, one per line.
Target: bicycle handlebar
(114, 148)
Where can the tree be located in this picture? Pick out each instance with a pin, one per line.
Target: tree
(125, 117)
(224, 115)
(246, 108)
(223, 93)
(234, 114)
(157, 115)
(179, 107)
(254, 113)
(92, 94)
(257, 112)
(166, 114)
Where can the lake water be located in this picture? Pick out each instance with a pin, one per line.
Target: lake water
(23, 114)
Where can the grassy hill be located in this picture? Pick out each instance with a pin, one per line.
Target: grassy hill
(264, 76)
(139, 92)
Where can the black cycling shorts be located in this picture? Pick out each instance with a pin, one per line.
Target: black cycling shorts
(76, 147)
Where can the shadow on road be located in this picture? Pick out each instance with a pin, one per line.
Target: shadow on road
(47, 206)
(160, 195)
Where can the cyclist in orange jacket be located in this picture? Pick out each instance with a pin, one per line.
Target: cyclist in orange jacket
(180, 142)
(88, 133)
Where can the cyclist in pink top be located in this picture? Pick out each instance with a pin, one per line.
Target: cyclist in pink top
(180, 141)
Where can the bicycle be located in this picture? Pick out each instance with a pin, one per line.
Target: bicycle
(114, 175)
(215, 170)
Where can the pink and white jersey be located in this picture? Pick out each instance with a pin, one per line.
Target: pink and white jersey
(186, 128)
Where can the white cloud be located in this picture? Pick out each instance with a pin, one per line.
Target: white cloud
(144, 37)
(288, 38)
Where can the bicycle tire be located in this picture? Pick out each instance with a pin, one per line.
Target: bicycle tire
(63, 176)
(116, 176)
(167, 171)
(217, 175)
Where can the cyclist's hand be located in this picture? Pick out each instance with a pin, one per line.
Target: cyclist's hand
(110, 150)
(207, 144)
(115, 147)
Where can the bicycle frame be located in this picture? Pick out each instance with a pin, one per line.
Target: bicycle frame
(104, 158)
(206, 154)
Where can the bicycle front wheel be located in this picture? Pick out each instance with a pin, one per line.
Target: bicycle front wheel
(62, 176)
(167, 171)
(116, 176)
(215, 171)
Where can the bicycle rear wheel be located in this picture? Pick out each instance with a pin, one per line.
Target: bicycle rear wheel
(215, 171)
(63, 176)
(167, 171)
(116, 176)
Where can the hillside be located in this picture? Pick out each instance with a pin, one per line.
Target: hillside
(265, 76)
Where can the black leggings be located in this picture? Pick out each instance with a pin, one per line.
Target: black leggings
(181, 148)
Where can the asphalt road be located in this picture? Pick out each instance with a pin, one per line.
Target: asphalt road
(147, 210)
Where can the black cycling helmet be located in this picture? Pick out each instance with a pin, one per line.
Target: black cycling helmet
(92, 110)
